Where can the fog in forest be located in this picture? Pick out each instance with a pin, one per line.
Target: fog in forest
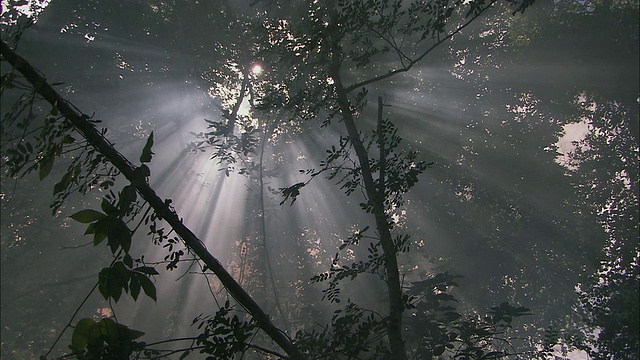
(528, 123)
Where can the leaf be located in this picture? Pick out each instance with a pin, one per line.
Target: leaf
(99, 237)
(68, 139)
(108, 208)
(127, 197)
(83, 331)
(45, 166)
(63, 184)
(146, 151)
(114, 287)
(134, 287)
(109, 330)
(91, 229)
(119, 236)
(133, 334)
(100, 229)
(87, 216)
(149, 270)
(103, 282)
(127, 260)
(148, 286)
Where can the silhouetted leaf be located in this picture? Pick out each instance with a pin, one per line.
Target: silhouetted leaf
(85, 330)
(87, 216)
(146, 151)
(45, 165)
(63, 183)
(148, 286)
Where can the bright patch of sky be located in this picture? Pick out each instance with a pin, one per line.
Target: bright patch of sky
(28, 8)
(573, 133)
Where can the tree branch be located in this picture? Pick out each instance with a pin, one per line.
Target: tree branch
(422, 56)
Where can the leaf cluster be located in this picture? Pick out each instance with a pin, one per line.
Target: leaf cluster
(121, 275)
(104, 339)
(337, 272)
(353, 333)
(29, 145)
(224, 335)
(400, 167)
(227, 148)
(437, 328)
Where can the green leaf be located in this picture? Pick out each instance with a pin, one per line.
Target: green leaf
(87, 216)
(103, 282)
(148, 286)
(83, 331)
(134, 287)
(45, 166)
(149, 270)
(146, 152)
(127, 260)
(109, 330)
(122, 274)
(99, 237)
(68, 139)
(101, 229)
(119, 236)
(127, 198)
(111, 282)
(133, 334)
(114, 287)
(91, 229)
(63, 184)
(108, 208)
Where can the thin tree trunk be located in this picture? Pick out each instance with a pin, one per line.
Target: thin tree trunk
(97, 141)
(375, 195)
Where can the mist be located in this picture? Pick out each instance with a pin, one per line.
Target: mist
(511, 114)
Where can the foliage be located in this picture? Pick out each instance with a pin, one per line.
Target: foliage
(353, 332)
(104, 339)
(437, 328)
(608, 156)
(349, 43)
(224, 336)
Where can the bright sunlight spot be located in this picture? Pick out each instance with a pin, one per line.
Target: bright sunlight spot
(256, 69)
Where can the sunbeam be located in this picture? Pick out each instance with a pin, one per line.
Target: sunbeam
(486, 205)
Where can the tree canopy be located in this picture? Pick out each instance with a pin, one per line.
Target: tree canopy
(320, 179)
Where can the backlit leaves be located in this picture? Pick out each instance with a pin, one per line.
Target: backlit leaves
(223, 335)
(119, 277)
(104, 339)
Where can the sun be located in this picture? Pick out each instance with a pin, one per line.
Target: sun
(256, 69)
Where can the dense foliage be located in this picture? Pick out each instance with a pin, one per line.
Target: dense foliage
(494, 192)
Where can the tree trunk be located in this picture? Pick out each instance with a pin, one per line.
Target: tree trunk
(375, 195)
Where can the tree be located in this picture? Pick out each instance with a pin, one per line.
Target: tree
(600, 97)
(328, 46)
(606, 161)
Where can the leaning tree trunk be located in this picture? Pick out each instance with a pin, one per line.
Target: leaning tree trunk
(97, 141)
